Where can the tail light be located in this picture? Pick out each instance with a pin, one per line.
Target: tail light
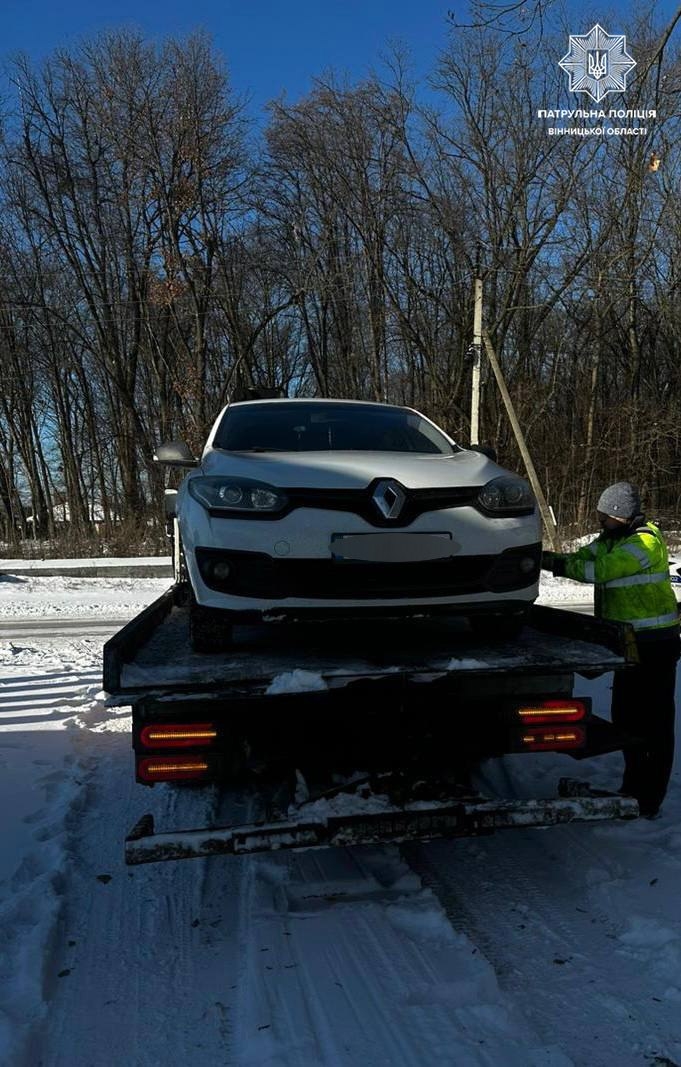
(552, 711)
(553, 739)
(171, 769)
(178, 735)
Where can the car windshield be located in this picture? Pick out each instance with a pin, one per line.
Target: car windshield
(322, 427)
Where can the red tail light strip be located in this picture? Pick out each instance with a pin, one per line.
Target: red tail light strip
(555, 739)
(170, 769)
(553, 711)
(178, 735)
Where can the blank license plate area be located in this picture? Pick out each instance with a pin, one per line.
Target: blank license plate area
(392, 547)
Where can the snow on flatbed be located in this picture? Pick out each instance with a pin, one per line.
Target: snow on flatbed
(306, 656)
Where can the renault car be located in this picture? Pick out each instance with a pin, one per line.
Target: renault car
(319, 509)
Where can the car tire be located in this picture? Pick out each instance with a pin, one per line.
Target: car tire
(498, 627)
(209, 630)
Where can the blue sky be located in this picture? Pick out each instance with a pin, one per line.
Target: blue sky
(270, 46)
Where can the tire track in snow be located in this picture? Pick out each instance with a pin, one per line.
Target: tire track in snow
(347, 960)
(130, 952)
(518, 895)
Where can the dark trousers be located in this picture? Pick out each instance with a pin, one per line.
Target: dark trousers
(643, 707)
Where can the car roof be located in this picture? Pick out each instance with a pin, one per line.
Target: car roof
(318, 400)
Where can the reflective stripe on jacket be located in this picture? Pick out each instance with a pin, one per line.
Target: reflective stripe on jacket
(631, 579)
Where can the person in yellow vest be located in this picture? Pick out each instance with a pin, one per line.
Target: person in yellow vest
(629, 568)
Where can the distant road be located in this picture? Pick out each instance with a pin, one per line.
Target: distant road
(51, 627)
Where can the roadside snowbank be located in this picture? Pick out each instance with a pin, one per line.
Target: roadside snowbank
(561, 591)
(28, 597)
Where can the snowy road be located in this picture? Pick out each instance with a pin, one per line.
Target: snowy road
(523, 949)
(57, 628)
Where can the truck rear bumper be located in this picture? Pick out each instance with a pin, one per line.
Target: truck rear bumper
(317, 825)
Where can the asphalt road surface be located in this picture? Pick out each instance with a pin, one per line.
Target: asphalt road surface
(55, 626)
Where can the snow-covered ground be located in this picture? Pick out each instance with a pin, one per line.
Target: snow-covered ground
(528, 948)
(562, 591)
(29, 597)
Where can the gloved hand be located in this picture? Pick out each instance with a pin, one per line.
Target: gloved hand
(553, 561)
(559, 566)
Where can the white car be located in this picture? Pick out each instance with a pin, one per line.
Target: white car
(341, 508)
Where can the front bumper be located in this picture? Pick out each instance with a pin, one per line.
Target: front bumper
(289, 563)
(256, 575)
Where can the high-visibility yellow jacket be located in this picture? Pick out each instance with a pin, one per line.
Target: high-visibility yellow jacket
(631, 579)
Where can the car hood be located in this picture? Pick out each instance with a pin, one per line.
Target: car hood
(352, 470)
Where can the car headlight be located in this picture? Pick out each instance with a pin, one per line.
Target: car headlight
(507, 495)
(237, 494)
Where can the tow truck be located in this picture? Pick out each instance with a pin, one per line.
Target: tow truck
(360, 732)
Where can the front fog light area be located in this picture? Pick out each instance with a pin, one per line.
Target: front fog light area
(221, 570)
(514, 569)
(238, 573)
(215, 571)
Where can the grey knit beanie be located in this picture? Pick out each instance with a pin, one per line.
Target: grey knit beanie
(620, 501)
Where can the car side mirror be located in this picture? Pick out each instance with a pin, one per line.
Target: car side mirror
(175, 454)
(486, 450)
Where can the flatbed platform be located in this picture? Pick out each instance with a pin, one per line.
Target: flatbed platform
(152, 655)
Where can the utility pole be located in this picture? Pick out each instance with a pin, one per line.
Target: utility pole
(546, 513)
(477, 356)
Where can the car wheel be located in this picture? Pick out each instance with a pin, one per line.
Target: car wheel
(209, 630)
(498, 627)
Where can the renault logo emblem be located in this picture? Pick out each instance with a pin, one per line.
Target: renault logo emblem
(389, 498)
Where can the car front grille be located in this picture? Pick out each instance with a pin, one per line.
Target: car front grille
(360, 502)
(255, 574)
